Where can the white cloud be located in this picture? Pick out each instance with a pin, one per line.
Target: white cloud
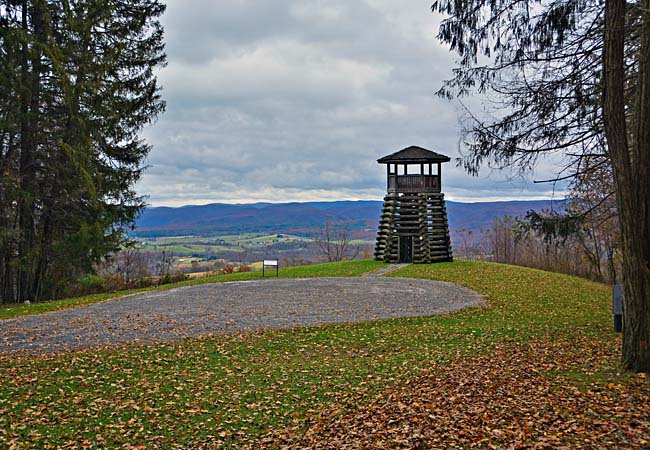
(293, 100)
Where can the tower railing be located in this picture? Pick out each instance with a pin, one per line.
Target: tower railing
(413, 183)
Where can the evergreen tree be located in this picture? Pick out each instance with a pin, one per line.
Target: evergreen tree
(570, 77)
(77, 85)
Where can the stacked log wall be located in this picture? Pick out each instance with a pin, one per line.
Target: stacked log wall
(420, 215)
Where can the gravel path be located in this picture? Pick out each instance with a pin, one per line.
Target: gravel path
(230, 307)
(384, 270)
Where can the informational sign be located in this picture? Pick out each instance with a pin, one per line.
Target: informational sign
(271, 263)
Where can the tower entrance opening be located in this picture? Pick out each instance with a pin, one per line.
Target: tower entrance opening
(406, 249)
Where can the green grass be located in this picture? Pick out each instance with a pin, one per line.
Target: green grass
(235, 388)
(339, 269)
(525, 302)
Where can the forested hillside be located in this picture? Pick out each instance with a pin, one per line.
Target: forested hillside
(361, 217)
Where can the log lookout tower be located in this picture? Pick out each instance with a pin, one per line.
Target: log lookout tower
(413, 225)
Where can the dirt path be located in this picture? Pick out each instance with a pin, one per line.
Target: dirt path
(230, 307)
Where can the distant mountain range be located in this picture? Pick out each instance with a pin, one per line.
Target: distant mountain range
(361, 217)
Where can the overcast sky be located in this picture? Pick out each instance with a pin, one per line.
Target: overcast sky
(295, 101)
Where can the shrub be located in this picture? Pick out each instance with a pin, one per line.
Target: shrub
(144, 282)
(180, 276)
(173, 278)
(244, 268)
(92, 284)
(228, 269)
(114, 282)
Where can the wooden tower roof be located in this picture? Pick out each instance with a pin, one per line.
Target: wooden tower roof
(415, 155)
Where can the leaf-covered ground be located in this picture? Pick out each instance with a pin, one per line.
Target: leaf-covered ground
(543, 394)
(538, 367)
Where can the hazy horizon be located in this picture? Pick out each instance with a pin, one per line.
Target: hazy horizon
(346, 200)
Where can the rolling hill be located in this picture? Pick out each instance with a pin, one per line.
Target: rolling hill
(361, 217)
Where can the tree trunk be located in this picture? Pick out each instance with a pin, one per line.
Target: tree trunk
(25, 220)
(30, 106)
(631, 163)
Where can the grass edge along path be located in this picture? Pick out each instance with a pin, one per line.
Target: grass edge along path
(339, 269)
(229, 391)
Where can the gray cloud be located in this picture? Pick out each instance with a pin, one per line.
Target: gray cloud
(293, 100)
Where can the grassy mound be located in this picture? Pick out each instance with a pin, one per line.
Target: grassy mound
(269, 388)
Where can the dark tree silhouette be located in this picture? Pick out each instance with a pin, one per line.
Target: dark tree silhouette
(77, 85)
(572, 78)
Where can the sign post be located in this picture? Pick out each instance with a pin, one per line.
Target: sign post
(617, 307)
(271, 263)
